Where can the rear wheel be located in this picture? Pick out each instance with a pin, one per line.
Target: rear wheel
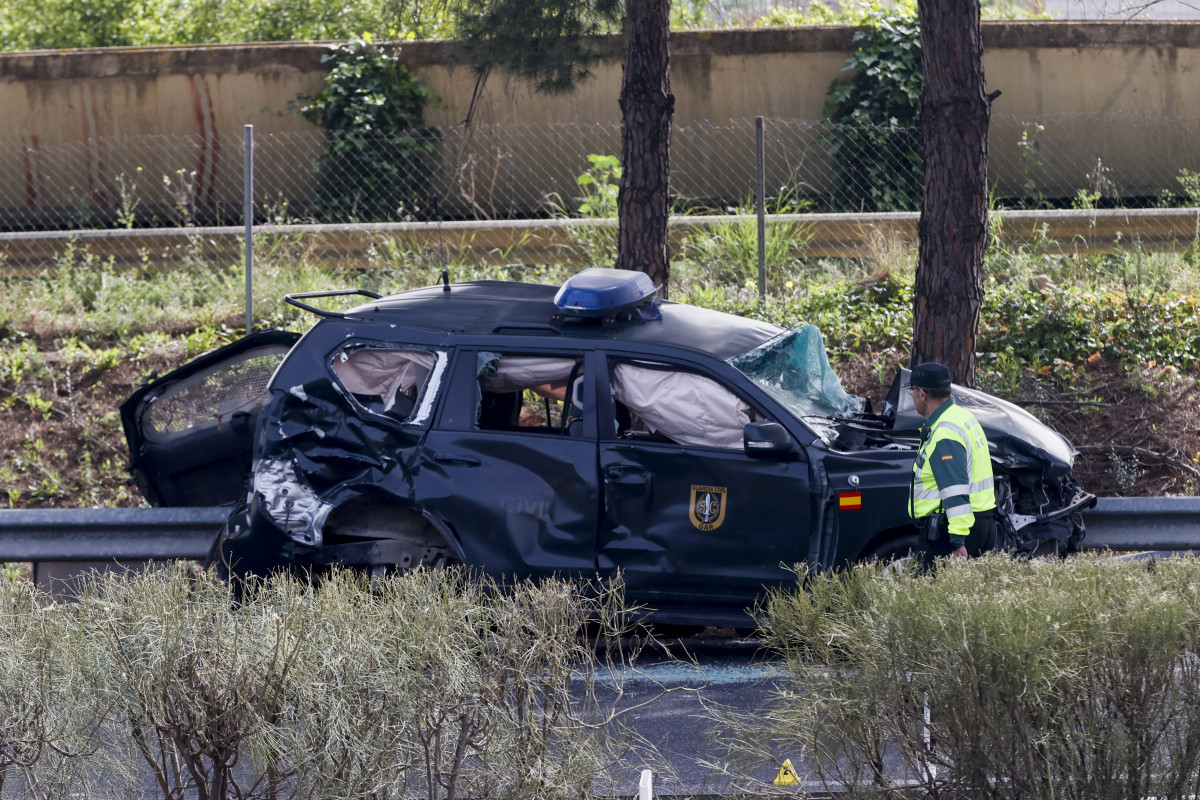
(383, 539)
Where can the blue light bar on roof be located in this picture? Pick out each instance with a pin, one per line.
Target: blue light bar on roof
(600, 292)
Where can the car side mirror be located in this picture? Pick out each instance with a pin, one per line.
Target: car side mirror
(768, 440)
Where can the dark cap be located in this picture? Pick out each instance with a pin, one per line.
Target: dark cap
(930, 375)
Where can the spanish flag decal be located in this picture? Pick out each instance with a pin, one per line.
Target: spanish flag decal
(849, 500)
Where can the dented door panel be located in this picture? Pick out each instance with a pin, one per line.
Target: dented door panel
(712, 524)
(684, 520)
(521, 499)
(518, 504)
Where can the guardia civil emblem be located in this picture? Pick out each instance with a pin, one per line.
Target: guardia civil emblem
(707, 510)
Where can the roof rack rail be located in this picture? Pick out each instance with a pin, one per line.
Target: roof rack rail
(294, 299)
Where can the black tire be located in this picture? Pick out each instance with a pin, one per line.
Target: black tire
(670, 632)
(894, 549)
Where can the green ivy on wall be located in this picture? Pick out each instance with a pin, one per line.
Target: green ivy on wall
(875, 143)
(377, 160)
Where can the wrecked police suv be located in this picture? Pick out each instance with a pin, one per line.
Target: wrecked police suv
(585, 429)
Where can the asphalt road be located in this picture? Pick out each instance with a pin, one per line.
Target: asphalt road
(725, 671)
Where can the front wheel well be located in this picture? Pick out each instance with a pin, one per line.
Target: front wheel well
(891, 544)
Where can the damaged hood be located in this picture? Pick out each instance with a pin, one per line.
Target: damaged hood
(1018, 439)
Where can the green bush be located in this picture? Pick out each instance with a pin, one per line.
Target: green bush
(1072, 324)
(1074, 679)
(1019, 324)
(875, 147)
(47, 24)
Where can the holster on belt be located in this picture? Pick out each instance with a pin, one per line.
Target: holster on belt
(935, 527)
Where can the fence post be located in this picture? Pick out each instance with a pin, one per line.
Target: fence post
(762, 208)
(248, 218)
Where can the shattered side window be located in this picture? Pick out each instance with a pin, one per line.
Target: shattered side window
(794, 369)
(532, 394)
(395, 382)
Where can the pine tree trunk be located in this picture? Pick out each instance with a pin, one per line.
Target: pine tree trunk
(948, 293)
(647, 106)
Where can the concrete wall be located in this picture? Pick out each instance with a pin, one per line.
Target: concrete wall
(67, 118)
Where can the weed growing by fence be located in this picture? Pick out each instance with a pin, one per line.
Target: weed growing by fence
(376, 161)
(876, 160)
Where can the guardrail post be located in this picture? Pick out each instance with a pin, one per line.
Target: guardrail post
(646, 786)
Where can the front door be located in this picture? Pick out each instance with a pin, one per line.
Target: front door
(687, 514)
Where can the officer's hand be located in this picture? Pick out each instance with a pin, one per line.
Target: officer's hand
(961, 552)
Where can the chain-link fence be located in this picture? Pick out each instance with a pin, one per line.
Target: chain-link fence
(166, 197)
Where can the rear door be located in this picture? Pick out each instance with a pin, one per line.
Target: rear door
(191, 432)
(511, 464)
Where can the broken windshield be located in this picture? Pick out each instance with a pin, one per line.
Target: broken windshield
(794, 369)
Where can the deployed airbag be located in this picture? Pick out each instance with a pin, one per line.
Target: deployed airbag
(383, 372)
(516, 373)
(685, 407)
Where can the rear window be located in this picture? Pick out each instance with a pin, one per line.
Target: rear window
(210, 398)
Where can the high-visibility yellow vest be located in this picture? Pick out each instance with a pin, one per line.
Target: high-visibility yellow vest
(957, 424)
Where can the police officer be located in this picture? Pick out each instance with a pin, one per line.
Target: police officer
(951, 499)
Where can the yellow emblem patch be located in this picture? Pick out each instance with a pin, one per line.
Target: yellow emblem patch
(707, 509)
(947, 458)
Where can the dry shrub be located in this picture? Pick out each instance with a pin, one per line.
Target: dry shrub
(191, 681)
(49, 746)
(435, 684)
(1073, 679)
(453, 687)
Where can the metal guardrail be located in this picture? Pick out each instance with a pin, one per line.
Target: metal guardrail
(108, 534)
(1144, 523)
(139, 534)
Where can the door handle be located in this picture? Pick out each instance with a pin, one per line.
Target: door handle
(631, 478)
(626, 476)
(455, 461)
